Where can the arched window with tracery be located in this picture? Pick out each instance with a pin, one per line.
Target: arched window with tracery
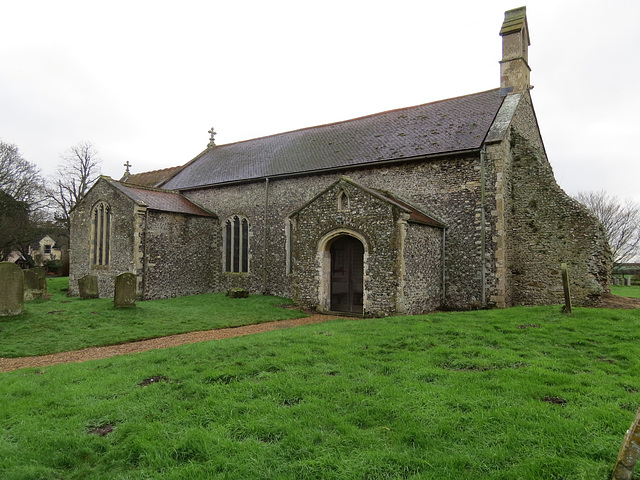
(100, 233)
(236, 235)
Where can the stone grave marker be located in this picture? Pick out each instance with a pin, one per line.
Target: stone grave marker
(11, 289)
(125, 293)
(39, 271)
(35, 284)
(31, 280)
(88, 286)
(627, 281)
(629, 452)
(567, 290)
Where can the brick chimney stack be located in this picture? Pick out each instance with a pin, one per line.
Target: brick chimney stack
(514, 66)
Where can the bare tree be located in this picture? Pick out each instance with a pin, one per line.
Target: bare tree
(77, 172)
(20, 179)
(621, 221)
(22, 201)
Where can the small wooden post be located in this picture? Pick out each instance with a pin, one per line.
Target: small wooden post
(567, 290)
(629, 452)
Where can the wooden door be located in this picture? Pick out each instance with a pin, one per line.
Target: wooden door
(347, 265)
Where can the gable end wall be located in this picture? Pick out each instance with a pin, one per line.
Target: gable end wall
(124, 239)
(545, 227)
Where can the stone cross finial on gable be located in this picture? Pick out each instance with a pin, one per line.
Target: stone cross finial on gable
(212, 138)
(127, 165)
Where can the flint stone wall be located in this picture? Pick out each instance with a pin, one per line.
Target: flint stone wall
(375, 222)
(447, 187)
(422, 284)
(546, 228)
(181, 255)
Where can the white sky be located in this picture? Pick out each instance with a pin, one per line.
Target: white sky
(145, 80)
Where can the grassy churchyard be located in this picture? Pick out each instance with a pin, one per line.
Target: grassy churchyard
(633, 291)
(521, 393)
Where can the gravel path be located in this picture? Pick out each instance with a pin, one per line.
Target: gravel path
(94, 353)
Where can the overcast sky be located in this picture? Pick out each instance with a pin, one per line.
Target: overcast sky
(145, 80)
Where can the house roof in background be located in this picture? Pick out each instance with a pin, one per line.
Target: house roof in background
(445, 127)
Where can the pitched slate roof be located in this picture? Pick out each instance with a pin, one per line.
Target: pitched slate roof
(448, 126)
(152, 178)
(162, 200)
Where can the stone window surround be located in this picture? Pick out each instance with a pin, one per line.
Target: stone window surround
(100, 234)
(235, 248)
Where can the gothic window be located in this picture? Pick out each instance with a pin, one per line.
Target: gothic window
(343, 201)
(101, 232)
(236, 235)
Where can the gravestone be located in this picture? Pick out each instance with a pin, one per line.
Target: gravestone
(35, 284)
(11, 289)
(616, 281)
(88, 286)
(125, 294)
(31, 280)
(629, 452)
(627, 281)
(39, 271)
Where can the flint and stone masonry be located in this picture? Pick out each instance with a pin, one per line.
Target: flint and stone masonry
(451, 204)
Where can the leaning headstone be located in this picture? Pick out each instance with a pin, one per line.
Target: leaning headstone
(88, 286)
(11, 289)
(125, 294)
(629, 452)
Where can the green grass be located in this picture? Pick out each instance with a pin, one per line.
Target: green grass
(455, 395)
(622, 291)
(67, 323)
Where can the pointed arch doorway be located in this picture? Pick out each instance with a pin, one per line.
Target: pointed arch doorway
(347, 274)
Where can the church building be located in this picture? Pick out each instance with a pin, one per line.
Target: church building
(447, 205)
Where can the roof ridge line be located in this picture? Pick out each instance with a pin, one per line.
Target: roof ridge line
(352, 119)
